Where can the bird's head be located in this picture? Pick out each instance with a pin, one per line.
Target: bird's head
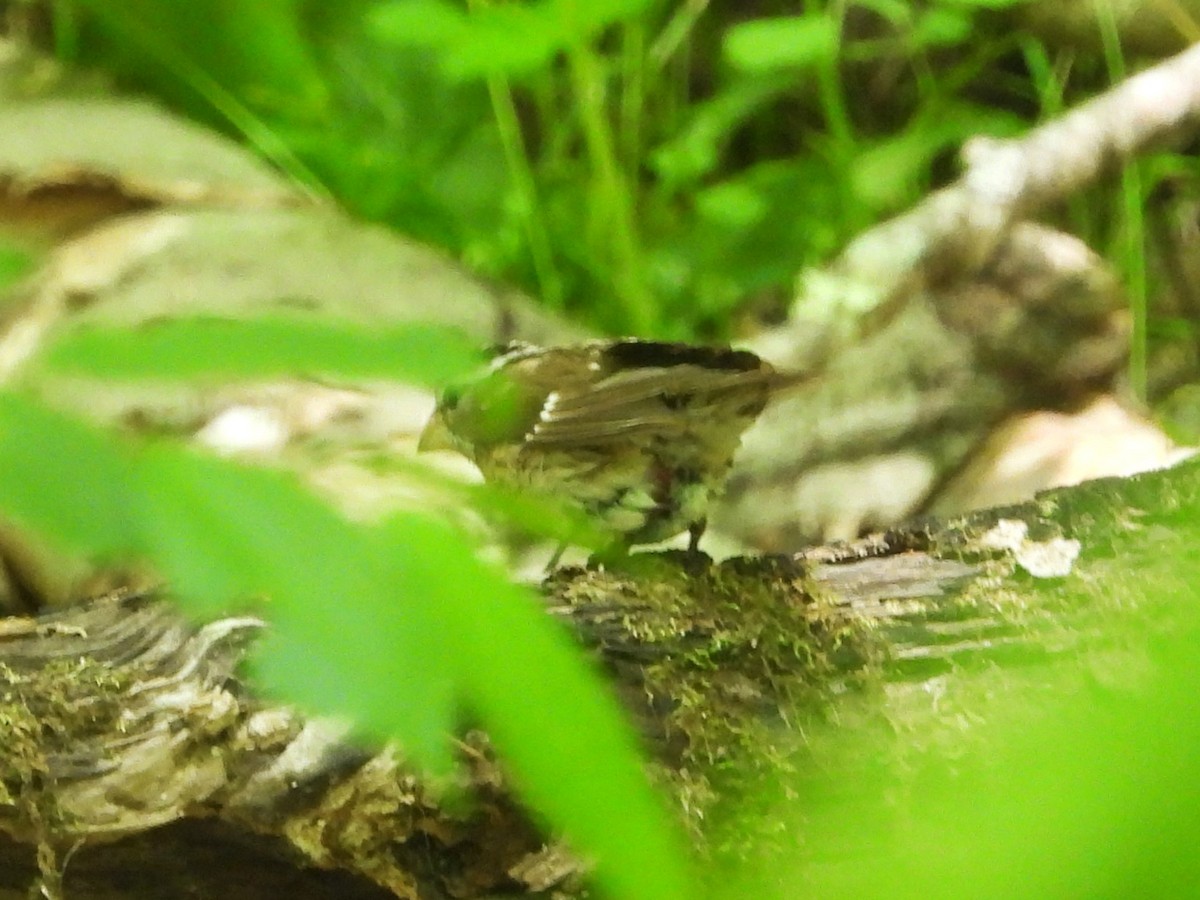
(496, 408)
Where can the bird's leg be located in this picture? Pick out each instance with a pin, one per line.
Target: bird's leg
(558, 552)
(695, 530)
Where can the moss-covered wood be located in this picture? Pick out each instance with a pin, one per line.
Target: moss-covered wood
(119, 717)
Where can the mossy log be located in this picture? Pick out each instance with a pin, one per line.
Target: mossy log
(136, 762)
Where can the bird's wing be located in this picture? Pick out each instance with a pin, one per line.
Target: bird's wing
(650, 401)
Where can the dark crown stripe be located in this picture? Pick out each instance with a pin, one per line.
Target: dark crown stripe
(634, 353)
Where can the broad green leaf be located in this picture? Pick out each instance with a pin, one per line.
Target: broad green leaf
(785, 42)
(248, 348)
(509, 39)
(65, 479)
(735, 204)
(506, 38)
(426, 23)
(555, 724)
(539, 515)
(942, 27)
(355, 631)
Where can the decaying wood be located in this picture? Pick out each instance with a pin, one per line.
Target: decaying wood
(130, 745)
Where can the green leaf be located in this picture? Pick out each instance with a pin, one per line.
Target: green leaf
(240, 348)
(539, 515)
(555, 723)
(511, 39)
(983, 4)
(64, 479)
(209, 52)
(354, 629)
(894, 171)
(508, 39)
(426, 23)
(943, 27)
(695, 151)
(785, 42)
(734, 204)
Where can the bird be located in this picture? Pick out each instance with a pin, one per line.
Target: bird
(637, 434)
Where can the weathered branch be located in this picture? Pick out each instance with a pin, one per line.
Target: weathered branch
(932, 330)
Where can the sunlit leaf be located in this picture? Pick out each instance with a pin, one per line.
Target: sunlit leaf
(735, 204)
(354, 629)
(428, 23)
(240, 348)
(942, 26)
(786, 42)
(555, 724)
(506, 38)
(64, 479)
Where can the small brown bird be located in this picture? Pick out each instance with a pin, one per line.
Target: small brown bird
(638, 434)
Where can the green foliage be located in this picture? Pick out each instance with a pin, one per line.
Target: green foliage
(208, 347)
(764, 45)
(1089, 793)
(395, 625)
(650, 169)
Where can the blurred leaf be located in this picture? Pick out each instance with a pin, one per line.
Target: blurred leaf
(696, 150)
(533, 514)
(353, 634)
(1049, 775)
(732, 203)
(1092, 794)
(248, 348)
(895, 11)
(14, 262)
(506, 38)
(252, 49)
(896, 170)
(554, 722)
(427, 23)
(942, 27)
(412, 148)
(509, 39)
(984, 4)
(393, 626)
(752, 234)
(786, 42)
(65, 479)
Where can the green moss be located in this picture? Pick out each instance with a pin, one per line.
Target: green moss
(737, 657)
(46, 712)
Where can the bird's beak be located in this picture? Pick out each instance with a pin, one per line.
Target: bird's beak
(436, 434)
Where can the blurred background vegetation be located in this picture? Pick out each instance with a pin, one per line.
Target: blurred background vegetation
(650, 168)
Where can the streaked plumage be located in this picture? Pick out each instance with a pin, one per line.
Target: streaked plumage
(638, 434)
